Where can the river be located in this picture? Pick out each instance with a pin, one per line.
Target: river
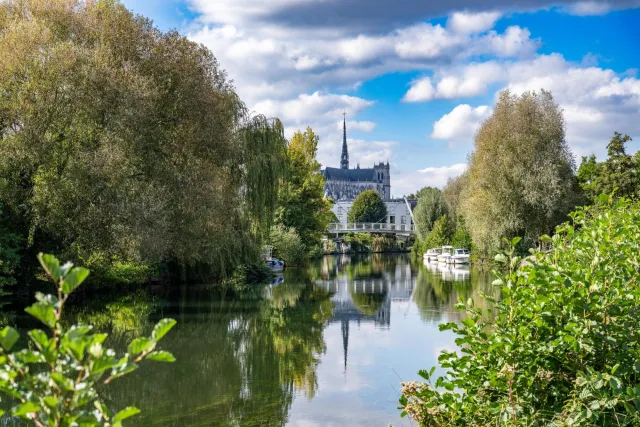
(324, 345)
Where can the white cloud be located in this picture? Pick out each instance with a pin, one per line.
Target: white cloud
(410, 181)
(465, 22)
(589, 8)
(471, 80)
(460, 124)
(421, 90)
(362, 126)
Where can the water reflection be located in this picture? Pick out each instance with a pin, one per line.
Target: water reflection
(323, 345)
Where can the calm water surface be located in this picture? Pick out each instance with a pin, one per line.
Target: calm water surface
(327, 345)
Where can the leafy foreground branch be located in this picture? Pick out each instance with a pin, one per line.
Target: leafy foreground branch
(56, 385)
(562, 348)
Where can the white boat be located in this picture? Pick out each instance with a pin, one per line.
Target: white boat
(432, 254)
(445, 254)
(459, 256)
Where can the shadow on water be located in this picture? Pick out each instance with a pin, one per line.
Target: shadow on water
(252, 359)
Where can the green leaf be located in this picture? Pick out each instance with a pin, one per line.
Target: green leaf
(126, 413)
(140, 345)
(161, 356)
(73, 279)
(43, 312)
(501, 258)
(24, 410)
(40, 338)
(8, 338)
(161, 329)
(51, 265)
(1, 412)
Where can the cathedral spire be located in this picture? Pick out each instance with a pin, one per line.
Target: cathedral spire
(344, 159)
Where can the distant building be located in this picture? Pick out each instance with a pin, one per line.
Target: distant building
(346, 184)
(343, 185)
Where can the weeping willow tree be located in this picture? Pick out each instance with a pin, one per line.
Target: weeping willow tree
(122, 143)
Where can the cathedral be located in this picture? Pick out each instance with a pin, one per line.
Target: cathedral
(345, 184)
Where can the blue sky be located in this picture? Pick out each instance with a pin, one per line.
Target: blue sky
(416, 78)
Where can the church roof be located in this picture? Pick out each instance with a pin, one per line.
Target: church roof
(338, 174)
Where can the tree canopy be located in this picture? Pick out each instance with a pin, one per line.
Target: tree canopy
(620, 172)
(302, 205)
(121, 141)
(368, 207)
(521, 178)
(431, 206)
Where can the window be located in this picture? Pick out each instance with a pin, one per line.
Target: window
(392, 219)
(340, 218)
(403, 219)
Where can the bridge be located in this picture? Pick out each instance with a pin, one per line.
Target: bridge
(371, 227)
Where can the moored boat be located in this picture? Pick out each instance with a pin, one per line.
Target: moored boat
(459, 256)
(432, 254)
(445, 253)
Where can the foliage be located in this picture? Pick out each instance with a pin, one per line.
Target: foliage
(431, 206)
(461, 237)
(302, 203)
(124, 141)
(368, 207)
(521, 174)
(452, 194)
(288, 245)
(562, 348)
(368, 303)
(10, 246)
(619, 173)
(56, 384)
(440, 234)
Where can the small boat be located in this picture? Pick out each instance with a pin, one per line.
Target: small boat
(446, 253)
(459, 256)
(432, 254)
(273, 263)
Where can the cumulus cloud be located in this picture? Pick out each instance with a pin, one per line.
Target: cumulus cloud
(465, 22)
(596, 101)
(410, 181)
(460, 124)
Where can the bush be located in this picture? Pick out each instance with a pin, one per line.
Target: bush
(563, 347)
(288, 245)
(54, 382)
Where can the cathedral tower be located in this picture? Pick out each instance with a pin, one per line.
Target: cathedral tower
(344, 159)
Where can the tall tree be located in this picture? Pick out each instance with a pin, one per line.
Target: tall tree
(620, 170)
(302, 205)
(521, 178)
(368, 207)
(120, 141)
(431, 206)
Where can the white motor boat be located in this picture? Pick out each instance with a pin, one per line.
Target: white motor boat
(432, 255)
(459, 256)
(445, 253)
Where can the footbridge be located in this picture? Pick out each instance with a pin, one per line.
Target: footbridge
(371, 227)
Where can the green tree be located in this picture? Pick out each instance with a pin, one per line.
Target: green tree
(121, 143)
(588, 173)
(302, 205)
(368, 207)
(431, 206)
(521, 178)
(619, 172)
(440, 234)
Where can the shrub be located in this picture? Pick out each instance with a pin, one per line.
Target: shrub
(563, 347)
(288, 245)
(56, 383)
